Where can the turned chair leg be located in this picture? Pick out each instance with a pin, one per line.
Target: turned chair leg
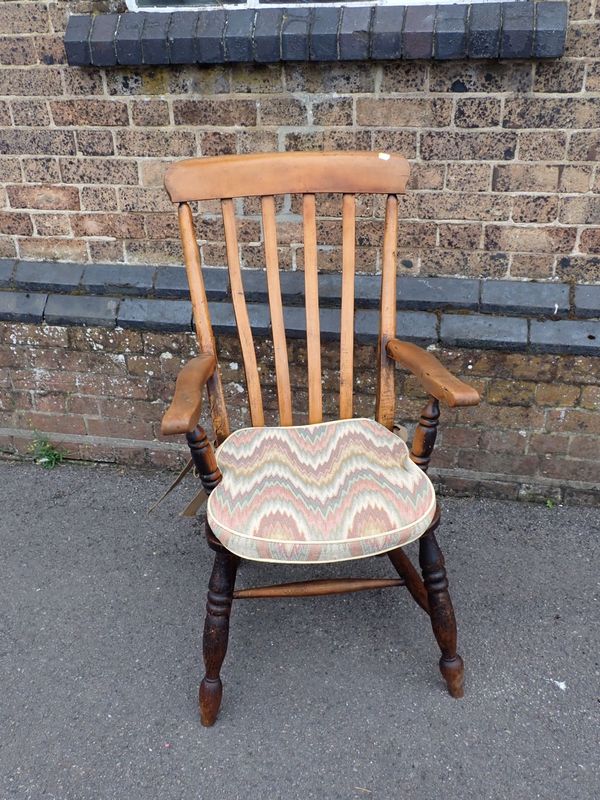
(216, 633)
(441, 612)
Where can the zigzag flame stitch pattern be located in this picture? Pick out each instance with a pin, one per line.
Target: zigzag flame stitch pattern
(327, 492)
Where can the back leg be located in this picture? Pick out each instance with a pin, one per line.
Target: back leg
(441, 612)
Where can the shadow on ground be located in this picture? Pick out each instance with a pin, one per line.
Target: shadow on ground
(100, 622)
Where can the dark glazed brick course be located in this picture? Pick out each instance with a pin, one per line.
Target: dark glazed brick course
(7, 267)
(422, 303)
(437, 293)
(294, 34)
(36, 276)
(129, 39)
(64, 309)
(517, 30)
(155, 45)
(551, 299)
(182, 37)
(353, 37)
(323, 33)
(238, 35)
(450, 39)
(267, 31)
(118, 279)
(587, 301)
(550, 30)
(484, 331)
(484, 30)
(22, 306)
(165, 315)
(386, 32)
(417, 36)
(570, 336)
(209, 38)
(102, 40)
(76, 39)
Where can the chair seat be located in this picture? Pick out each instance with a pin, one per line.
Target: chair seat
(332, 491)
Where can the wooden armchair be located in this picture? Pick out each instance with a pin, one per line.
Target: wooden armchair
(326, 491)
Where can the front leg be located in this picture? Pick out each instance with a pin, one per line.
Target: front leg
(216, 632)
(441, 611)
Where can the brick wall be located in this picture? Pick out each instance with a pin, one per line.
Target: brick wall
(504, 154)
(101, 393)
(505, 183)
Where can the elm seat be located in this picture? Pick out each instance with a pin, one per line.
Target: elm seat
(331, 491)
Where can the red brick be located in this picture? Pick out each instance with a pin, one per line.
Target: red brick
(156, 143)
(98, 170)
(15, 224)
(51, 423)
(18, 50)
(150, 112)
(215, 112)
(29, 81)
(130, 429)
(51, 224)
(573, 421)
(53, 249)
(50, 198)
(403, 113)
(557, 395)
(121, 226)
(89, 112)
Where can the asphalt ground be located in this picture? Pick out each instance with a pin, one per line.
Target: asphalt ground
(101, 613)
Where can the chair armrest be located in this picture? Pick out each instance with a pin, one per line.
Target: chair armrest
(434, 377)
(184, 412)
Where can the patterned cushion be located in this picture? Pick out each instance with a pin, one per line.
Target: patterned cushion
(327, 492)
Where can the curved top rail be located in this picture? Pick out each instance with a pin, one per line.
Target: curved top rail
(219, 177)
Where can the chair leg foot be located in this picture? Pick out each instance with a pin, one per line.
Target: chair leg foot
(453, 672)
(209, 699)
(216, 633)
(441, 611)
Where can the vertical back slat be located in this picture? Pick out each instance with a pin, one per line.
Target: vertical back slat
(204, 331)
(311, 293)
(386, 394)
(347, 315)
(241, 315)
(282, 371)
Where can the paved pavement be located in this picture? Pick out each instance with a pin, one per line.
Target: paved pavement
(100, 624)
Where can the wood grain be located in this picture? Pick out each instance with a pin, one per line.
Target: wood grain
(202, 323)
(311, 292)
(346, 172)
(347, 314)
(242, 320)
(282, 370)
(386, 388)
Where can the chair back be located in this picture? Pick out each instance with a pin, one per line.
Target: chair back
(266, 175)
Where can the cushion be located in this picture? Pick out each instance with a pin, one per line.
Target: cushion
(333, 491)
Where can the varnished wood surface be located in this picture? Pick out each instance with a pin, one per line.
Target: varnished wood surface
(347, 313)
(317, 588)
(282, 370)
(425, 434)
(311, 293)
(432, 375)
(404, 567)
(184, 412)
(265, 175)
(202, 324)
(386, 387)
(241, 315)
(282, 173)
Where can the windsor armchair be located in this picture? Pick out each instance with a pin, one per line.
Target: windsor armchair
(326, 491)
